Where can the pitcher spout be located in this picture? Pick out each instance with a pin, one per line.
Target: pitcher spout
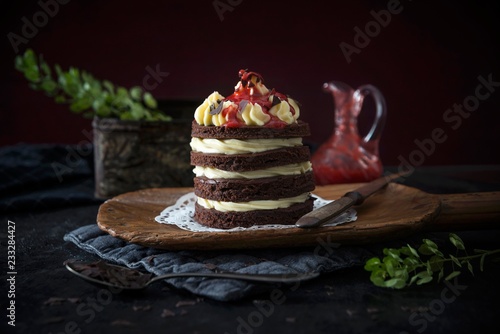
(337, 86)
(340, 91)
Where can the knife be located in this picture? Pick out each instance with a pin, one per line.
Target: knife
(334, 209)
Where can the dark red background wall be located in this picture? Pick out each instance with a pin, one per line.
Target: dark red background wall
(426, 59)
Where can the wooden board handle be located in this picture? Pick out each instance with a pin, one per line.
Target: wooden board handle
(469, 211)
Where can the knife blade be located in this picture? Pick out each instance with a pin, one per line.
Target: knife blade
(334, 209)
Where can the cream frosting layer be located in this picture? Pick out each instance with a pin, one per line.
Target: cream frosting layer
(252, 205)
(292, 169)
(237, 146)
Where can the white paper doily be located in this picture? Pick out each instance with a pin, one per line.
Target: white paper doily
(182, 212)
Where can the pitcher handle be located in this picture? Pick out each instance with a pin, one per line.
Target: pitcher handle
(381, 110)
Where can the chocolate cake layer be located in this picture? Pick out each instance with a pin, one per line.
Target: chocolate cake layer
(300, 129)
(251, 161)
(230, 219)
(245, 190)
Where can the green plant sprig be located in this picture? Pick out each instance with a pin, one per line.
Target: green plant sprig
(87, 95)
(402, 267)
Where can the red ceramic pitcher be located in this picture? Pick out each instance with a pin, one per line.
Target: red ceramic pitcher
(346, 157)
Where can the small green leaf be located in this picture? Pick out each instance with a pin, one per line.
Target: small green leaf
(70, 84)
(391, 251)
(121, 91)
(424, 280)
(452, 275)
(74, 72)
(150, 101)
(428, 267)
(424, 250)
(30, 59)
(405, 251)
(137, 112)
(80, 105)
(413, 251)
(430, 243)
(423, 274)
(49, 86)
(45, 68)
(126, 116)
(136, 93)
(109, 86)
(401, 273)
(122, 99)
(19, 63)
(457, 241)
(373, 263)
(436, 251)
(396, 283)
(101, 109)
(378, 281)
(441, 274)
(32, 74)
(455, 260)
(86, 77)
(471, 269)
(389, 265)
(58, 69)
(413, 279)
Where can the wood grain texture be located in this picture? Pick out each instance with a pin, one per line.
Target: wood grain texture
(391, 213)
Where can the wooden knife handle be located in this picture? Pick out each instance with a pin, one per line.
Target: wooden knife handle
(469, 211)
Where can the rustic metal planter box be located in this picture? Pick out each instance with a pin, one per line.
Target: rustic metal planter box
(132, 155)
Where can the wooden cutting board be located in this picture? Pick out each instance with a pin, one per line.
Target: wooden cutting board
(394, 212)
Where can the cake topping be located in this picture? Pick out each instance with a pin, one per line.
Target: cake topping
(250, 86)
(251, 104)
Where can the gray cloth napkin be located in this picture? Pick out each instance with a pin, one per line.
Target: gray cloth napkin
(322, 258)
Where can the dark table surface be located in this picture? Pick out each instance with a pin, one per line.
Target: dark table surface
(49, 299)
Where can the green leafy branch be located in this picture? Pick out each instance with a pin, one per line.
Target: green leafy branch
(85, 94)
(402, 267)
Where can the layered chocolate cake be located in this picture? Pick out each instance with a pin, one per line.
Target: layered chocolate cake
(251, 167)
